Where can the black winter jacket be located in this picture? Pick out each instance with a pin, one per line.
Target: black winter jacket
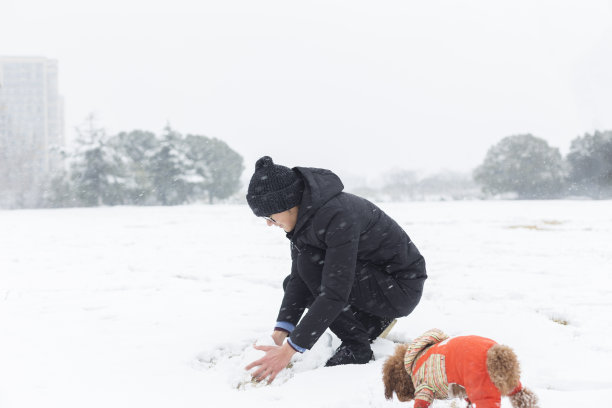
(351, 231)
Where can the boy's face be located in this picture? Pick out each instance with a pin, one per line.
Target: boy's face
(285, 220)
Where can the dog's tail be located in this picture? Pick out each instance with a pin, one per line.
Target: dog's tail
(504, 368)
(525, 398)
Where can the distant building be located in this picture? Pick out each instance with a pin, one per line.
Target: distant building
(31, 119)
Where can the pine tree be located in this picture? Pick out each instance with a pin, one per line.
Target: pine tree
(96, 169)
(167, 169)
(136, 149)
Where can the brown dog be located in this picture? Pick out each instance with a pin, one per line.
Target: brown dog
(435, 366)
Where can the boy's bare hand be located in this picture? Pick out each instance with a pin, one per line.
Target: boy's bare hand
(276, 358)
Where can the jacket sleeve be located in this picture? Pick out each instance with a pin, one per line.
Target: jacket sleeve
(295, 298)
(341, 236)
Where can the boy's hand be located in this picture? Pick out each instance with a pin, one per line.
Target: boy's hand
(272, 363)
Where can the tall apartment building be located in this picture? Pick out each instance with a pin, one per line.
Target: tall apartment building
(31, 114)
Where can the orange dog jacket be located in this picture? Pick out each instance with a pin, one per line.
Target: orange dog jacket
(434, 360)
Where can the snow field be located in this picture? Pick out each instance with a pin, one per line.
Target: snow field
(160, 306)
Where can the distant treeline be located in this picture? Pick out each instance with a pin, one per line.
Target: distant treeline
(519, 166)
(408, 185)
(141, 168)
(527, 167)
(134, 168)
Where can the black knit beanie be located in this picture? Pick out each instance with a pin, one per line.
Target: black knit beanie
(273, 188)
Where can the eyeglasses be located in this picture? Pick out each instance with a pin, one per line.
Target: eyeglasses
(272, 220)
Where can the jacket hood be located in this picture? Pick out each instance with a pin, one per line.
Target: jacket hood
(320, 186)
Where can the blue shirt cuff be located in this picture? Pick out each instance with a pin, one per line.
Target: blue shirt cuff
(288, 327)
(295, 347)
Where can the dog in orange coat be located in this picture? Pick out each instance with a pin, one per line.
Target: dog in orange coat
(435, 366)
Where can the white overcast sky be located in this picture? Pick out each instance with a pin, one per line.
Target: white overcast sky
(360, 87)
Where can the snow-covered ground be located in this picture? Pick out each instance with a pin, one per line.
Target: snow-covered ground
(159, 307)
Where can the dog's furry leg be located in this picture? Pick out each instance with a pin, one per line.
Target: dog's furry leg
(525, 398)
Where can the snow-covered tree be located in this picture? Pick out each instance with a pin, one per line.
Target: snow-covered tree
(224, 167)
(522, 164)
(141, 169)
(590, 162)
(136, 149)
(167, 167)
(96, 169)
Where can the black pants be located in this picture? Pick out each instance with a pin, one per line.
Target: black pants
(375, 299)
